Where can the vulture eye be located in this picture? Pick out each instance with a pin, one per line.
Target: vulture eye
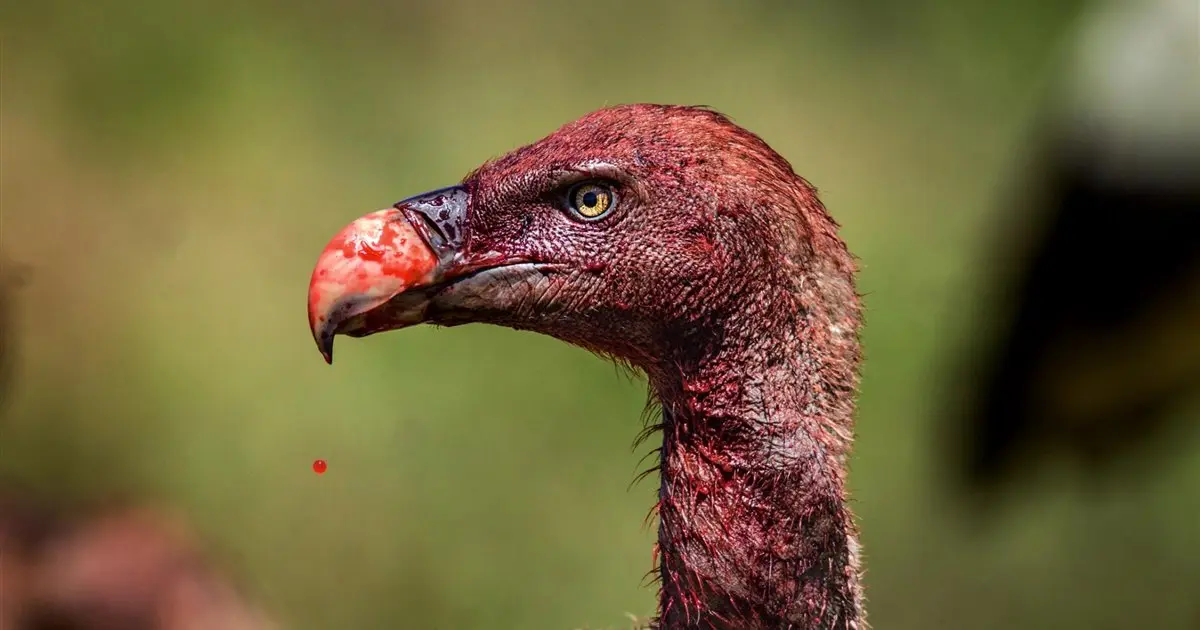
(591, 201)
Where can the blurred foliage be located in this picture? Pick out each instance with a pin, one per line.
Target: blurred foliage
(170, 171)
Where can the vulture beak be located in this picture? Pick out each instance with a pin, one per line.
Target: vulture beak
(380, 272)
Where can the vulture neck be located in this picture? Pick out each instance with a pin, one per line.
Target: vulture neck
(754, 528)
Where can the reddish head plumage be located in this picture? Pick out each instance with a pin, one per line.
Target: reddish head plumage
(675, 241)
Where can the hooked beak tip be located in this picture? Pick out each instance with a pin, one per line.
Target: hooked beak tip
(322, 334)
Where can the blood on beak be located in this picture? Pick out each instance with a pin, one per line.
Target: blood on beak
(367, 277)
(374, 259)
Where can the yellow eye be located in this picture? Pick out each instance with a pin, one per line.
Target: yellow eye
(591, 200)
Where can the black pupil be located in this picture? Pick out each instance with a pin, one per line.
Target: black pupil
(589, 199)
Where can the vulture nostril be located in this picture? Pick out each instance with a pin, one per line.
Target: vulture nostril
(433, 232)
(442, 216)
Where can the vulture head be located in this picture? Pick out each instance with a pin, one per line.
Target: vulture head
(671, 239)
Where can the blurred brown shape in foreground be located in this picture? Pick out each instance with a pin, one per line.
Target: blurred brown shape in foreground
(126, 568)
(123, 567)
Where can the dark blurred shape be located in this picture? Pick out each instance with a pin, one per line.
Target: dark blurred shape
(120, 568)
(12, 275)
(1096, 349)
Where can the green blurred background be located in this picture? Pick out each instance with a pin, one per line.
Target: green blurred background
(171, 170)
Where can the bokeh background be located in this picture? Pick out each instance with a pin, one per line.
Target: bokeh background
(171, 170)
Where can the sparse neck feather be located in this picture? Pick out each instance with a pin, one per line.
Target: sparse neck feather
(757, 423)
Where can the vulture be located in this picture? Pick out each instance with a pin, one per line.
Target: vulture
(672, 240)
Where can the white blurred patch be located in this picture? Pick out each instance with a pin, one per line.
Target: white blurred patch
(1135, 80)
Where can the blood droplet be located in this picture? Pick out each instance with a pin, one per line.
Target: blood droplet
(319, 467)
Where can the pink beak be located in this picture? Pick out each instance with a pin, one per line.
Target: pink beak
(374, 259)
(365, 280)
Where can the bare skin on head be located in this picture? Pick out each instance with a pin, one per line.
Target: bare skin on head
(670, 239)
